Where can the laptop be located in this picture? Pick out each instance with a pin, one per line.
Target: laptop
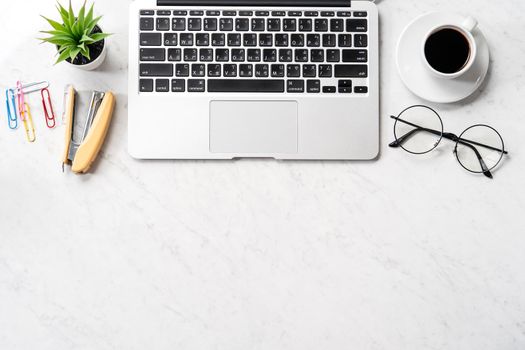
(279, 79)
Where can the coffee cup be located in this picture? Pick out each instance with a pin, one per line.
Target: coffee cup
(450, 50)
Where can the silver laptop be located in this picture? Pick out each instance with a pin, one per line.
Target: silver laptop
(282, 79)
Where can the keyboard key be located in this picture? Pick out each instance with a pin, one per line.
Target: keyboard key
(325, 71)
(194, 24)
(234, 39)
(162, 85)
(333, 56)
(327, 14)
(305, 25)
(174, 55)
(329, 89)
(293, 71)
(190, 55)
(295, 86)
(196, 13)
(311, 14)
(146, 85)
(246, 70)
(281, 40)
(250, 39)
(150, 39)
(214, 70)
(329, 40)
(229, 13)
(290, 25)
(242, 24)
(317, 55)
(301, 55)
(295, 13)
(180, 13)
(345, 40)
(361, 89)
(361, 40)
(351, 71)
(178, 24)
(170, 39)
(309, 71)
(274, 25)
(261, 70)
(269, 55)
(230, 70)
(262, 13)
(297, 40)
(245, 85)
(152, 54)
(147, 12)
(213, 13)
(186, 39)
(313, 86)
(196, 85)
(218, 39)
(313, 40)
(202, 39)
(345, 86)
(198, 70)
(285, 55)
(226, 24)
(210, 24)
(360, 14)
(278, 13)
(355, 56)
(337, 25)
(265, 40)
(156, 70)
(206, 55)
(254, 55)
(147, 23)
(222, 55)
(277, 70)
(321, 25)
(258, 25)
(344, 14)
(182, 70)
(163, 13)
(238, 55)
(356, 25)
(246, 13)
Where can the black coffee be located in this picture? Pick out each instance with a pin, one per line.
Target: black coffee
(447, 51)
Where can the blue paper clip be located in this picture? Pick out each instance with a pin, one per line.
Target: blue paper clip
(10, 100)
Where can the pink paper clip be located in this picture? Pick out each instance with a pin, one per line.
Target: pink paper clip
(21, 100)
(47, 105)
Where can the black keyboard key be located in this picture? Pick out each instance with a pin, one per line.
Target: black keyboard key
(242, 24)
(196, 85)
(313, 40)
(360, 14)
(174, 55)
(297, 40)
(146, 85)
(277, 70)
(329, 89)
(325, 71)
(194, 24)
(186, 39)
(258, 25)
(301, 55)
(254, 55)
(152, 54)
(281, 40)
(361, 40)
(245, 85)
(238, 55)
(190, 55)
(290, 25)
(261, 70)
(274, 24)
(147, 23)
(162, 85)
(245, 13)
(305, 25)
(311, 14)
(180, 13)
(230, 70)
(356, 25)
(361, 89)
(313, 86)
(156, 70)
(345, 40)
(218, 39)
(262, 13)
(234, 39)
(147, 12)
(337, 25)
(329, 40)
(309, 71)
(249, 39)
(317, 55)
(229, 13)
(355, 56)
(278, 13)
(344, 14)
(213, 13)
(351, 71)
(196, 13)
(295, 86)
(170, 39)
(222, 55)
(285, 55)
(226, 24)
(210, 24)
(214, 70)
(150, 39)
(265, 40)
(293, 71)
(202, 39)
(198, 70)
(321, 25)
(182, 70)
(246, 70)
(327, 14)
(178, 24)
(333, 55)
(295, 13)
(163, 13)
(206, 55)
(345, 86)
(269, 55)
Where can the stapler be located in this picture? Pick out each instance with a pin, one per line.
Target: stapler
(81, 153)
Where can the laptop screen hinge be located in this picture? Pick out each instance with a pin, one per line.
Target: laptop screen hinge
(277, 3)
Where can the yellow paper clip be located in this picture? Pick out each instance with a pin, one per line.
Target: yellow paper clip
(27, 119)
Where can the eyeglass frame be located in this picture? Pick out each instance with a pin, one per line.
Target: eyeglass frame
(449, 136)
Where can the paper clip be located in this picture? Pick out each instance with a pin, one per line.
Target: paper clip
(10, 101)
(21, 99)
(48, 108)
(27, 119)
(32, 87)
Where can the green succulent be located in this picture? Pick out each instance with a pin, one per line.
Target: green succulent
(74, 36)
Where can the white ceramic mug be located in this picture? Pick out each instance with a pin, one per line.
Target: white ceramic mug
(465, 28)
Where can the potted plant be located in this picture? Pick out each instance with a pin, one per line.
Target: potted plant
(79, 39)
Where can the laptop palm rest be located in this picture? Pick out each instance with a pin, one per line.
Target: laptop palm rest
(257, 127)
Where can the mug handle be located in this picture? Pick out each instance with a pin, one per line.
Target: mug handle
(469, 24)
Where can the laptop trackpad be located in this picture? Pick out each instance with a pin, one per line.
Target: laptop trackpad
(253, 127)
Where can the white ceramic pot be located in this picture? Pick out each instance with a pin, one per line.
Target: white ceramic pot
(96, 63)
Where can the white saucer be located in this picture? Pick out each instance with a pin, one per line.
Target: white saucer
(415, 74)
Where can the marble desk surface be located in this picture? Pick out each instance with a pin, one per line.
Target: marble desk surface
(401, 253)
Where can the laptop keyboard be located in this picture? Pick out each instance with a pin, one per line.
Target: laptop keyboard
(296, 52)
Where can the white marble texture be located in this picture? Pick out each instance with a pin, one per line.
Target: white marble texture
(402, 253)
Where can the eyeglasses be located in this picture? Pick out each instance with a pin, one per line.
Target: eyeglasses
(419, 130)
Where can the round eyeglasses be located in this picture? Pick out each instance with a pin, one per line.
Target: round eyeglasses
(419, 129)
